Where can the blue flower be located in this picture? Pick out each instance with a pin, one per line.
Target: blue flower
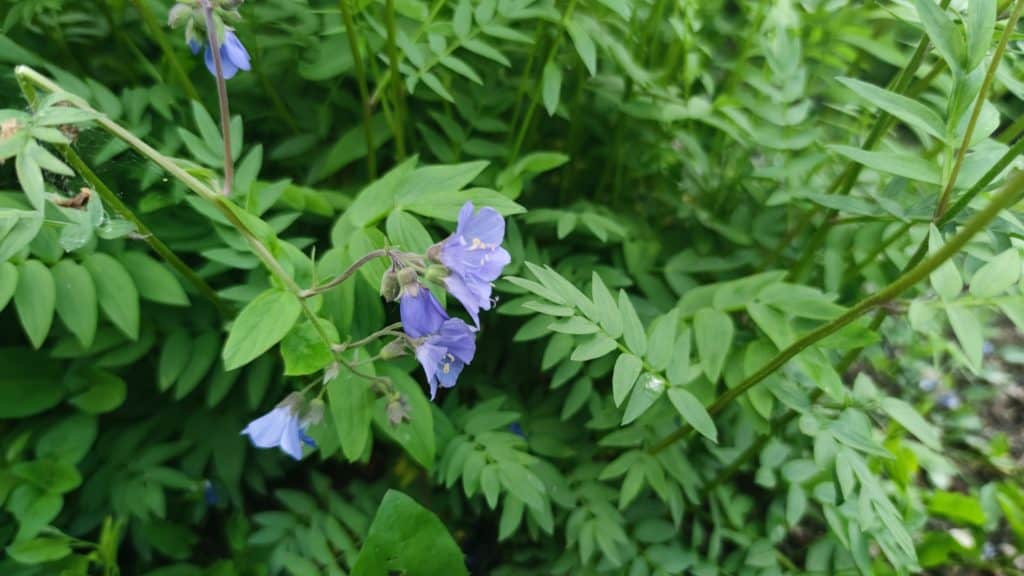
(474, 258)
(444, 354)
(281, 427)
(421, 313)
(233, 55)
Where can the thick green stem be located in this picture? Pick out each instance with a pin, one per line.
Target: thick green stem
(990, 74)
(1002, 200)
(156, 31)
(364, 94)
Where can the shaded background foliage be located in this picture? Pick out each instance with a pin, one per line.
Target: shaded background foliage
(691, 187)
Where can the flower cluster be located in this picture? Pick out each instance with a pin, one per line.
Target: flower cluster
(191, 14)
(467, 262)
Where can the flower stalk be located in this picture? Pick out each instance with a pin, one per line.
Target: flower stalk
(222, 96)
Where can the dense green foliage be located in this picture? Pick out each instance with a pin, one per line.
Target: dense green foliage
(759, 318)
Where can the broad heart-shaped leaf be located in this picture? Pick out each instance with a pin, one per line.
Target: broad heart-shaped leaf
(35, 299)
(693, 412)
(406, 538)
(906, 109)
(910, 419)
(416, 434)
(76, 300)
(155, 281)
(998, 275)
(352, 401)
(30, 382)
(260, 325)
(713, 330)
(116, 291)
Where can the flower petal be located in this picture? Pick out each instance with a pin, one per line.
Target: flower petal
(291, 443)
(234, 51)
(266, 431)
(421, 313)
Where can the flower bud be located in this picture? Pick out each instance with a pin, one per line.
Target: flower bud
(407, 276)
(398, 409)
(178, 14)
(436, 273)
(393, 349)
(389, 286)
(434, 253)
(315, 413)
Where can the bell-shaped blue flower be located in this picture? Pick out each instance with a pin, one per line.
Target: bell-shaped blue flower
(474, 258)
(445, 353)
(281, 427)
(233, 55)
(420, 311)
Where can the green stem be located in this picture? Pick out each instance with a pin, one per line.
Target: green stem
(340, 278)
(364, 94)
(1003, 199)
(396, 86)
(990, 74)
(528, 119)
(156, 31)
(222, 97)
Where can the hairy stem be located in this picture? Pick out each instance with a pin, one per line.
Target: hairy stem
(1006, 197)
(340, 278)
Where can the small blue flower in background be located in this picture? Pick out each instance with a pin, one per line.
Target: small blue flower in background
(517, 429)
(210, 493)
(281, 427)
(420, 311)
(233, 55)
(949, 401)
(474, 258)
(444, 354)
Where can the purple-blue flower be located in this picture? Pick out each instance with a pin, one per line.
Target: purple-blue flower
(420, 311)
(281, 427)
(474, 258)
(444, 354)
(233, 55)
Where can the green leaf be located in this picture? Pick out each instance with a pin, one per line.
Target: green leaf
(17, 229)
(713, 330)
(584, 45)
(968, 330)
(352, 403)
(897, 163)
(981, 23)
(632, 329)
(958, 507)
(445, 205)
(173, 358)
(946, 278)
(406, 232)
(49, 475)
(409, 539)
(461, 68)
(30, 176)
(76, 300)
(607, 313)
(693, 412)
(35, 300)
(910, 111)
(154, 281)
(551, 87)
(106, 392)
(202, 356)
(303, 349)
(913, 422)
(944, 34)
(646, 391)
(576, 325)
(39, 550)
(627, 368)
(8, 282)
(117, 294)
(597, 346)
(261, 324)
(416, 434)
(998, 275)
(662, 340)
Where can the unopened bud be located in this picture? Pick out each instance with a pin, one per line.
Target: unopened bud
(389, 286)
(434, 253)
(398, 409)
(177, 15)
(407, 276)
(315, 413)
(331, 372)
(436, 273)
(393, 349)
